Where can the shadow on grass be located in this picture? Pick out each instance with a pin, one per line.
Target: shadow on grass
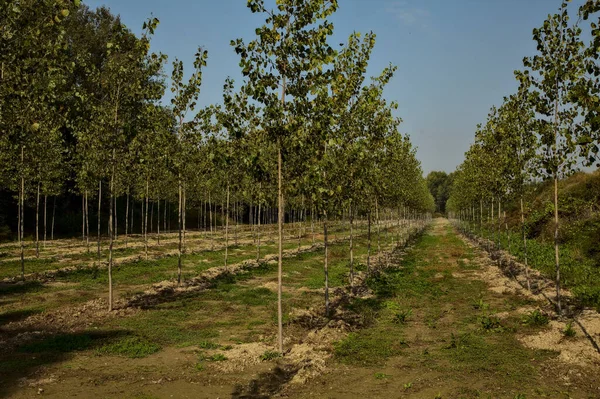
(266, 384)
(46, 350)
(20, 287)
(17, 315)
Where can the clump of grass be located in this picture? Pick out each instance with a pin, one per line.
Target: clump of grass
(131, 346)
(536, 318)
(490, 323)
(217, 357)
(458, 341)
(208, 345)
(381, 376)
(480, 305)
(269, 355)
(569, 331)
(402, 316)
(407, 386)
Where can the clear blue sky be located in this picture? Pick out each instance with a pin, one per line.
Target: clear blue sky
(455, 58)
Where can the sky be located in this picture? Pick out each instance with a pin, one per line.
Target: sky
(455, 58)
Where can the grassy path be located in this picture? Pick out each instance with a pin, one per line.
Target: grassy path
(439, 331)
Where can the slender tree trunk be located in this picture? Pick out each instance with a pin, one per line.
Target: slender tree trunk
(369, 243)
(326, 268)
(351, 247)
(116, 219)
(556, 253)
(45, 218)
(22, 213)
(507, 231)
(127, 218)
(152, 218)
(53, 214)
(210, 224)
(146, 219)
(280, 252)
(227, 228)
(83, 218)
(99, 204)
(183, 214)
(110, 237)
(158, 221)
(179, 224)
(377, 226)
(37, 222)
(525, 244)
(258, 234)
(165, 218)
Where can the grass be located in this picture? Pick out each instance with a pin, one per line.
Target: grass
(449, 332)
(131, 346)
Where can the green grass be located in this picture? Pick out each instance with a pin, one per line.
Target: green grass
(131, 346)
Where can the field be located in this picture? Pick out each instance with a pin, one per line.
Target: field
(435, 319)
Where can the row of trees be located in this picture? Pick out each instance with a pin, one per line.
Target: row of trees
(545, 130)
(80, 107)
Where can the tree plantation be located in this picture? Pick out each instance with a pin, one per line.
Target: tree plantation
(282, 240)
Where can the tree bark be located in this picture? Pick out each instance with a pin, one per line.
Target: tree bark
(525, 245)
(179, 226)
(127, 218)
(369, 243)
(99, 204)
(326, 265)
(45, 218)
(227, 227)
(158, 221)
(556, 253)
(53, 214)
(280, 251)
(110, 235)
(146, 219)
(22, 212)
(351, 247)
(37, 222)
(258, 233)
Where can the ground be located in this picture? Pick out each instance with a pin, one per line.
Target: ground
(438, 320)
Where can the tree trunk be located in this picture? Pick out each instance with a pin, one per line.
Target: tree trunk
(351, 247)
(369, 244)
(525, 245)
(110, 235)
(146, 219)
(326, 269)
(37, 222)
(165, 218)
(210, 224)
(158, 221)
(99, 204)
(280, 252)
(183, 215)
(377, 225)
(53, 214)
(83, 218)
(179, 226)
(116, 231)
(45, 218)
(22, 213)
(227, 228)
(127, 218)
(258, 233)
(556, 253)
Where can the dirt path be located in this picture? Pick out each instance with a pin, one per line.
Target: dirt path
(448, 324)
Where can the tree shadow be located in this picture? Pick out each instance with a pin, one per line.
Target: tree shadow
(19, 287)
(266, 384)
(17, 315)
(44, 350)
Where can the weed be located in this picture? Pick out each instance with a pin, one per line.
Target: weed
(569, 331)
(490, 323)
(402, 316)
(208, 345)
(199, 366)
(269, 355)
(217, 357)
(381, 376)
(536, 318)
(480, 305)
(407, 386)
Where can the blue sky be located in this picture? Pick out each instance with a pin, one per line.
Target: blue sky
(455, 58)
